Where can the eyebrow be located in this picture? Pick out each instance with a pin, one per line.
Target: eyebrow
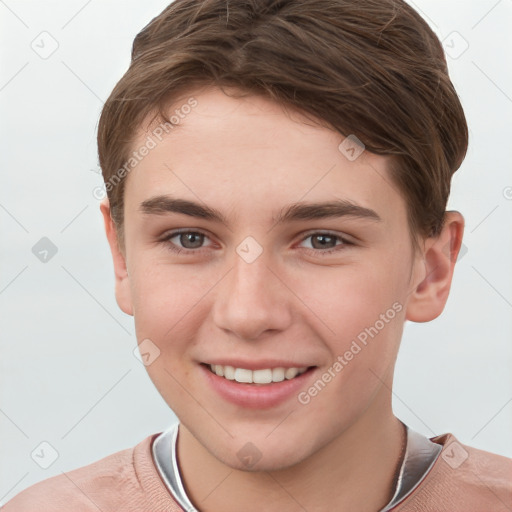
(163, 204)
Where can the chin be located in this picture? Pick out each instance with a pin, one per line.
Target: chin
(256, 453)
(271, 462)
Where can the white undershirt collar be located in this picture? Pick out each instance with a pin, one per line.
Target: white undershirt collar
(420, 455)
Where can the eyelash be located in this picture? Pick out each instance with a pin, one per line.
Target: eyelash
(339, 247)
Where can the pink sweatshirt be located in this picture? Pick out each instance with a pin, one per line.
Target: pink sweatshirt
(463, 479)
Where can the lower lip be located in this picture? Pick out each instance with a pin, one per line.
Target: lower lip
(256, 396)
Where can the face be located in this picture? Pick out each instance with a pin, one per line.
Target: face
(258, 249)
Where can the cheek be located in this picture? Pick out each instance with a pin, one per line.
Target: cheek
(167, 301)
(363, 310)
(362, 357)
(350, 301)
(166, 312)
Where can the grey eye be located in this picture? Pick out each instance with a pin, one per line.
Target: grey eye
(190, 239)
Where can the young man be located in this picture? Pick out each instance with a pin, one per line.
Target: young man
(277, 176)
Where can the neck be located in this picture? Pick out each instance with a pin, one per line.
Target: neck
(355, 471)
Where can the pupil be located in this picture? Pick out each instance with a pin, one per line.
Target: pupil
(322, 238)
(191, 238)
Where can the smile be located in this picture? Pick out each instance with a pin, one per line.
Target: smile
(263, 376)
(265, 384)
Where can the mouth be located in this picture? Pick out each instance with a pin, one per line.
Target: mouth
(260, 388)
(263, 376)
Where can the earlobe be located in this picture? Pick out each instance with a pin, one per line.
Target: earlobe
(122, 290)
(434, 271)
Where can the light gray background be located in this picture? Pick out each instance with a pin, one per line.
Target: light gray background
(67, 369)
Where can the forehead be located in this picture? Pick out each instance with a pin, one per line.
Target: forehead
(248, 154)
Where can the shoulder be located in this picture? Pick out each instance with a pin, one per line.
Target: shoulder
(463, 478)
(472, 467)
(119, 481)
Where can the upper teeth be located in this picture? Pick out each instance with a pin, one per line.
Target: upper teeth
(265, 376)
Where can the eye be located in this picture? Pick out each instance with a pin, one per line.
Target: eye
(189, 241)
(326, 242)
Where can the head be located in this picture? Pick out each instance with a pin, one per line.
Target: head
(251, 113)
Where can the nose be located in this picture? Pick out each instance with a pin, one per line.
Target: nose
(252, 300)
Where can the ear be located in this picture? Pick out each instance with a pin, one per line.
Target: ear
(123, 292)
(433, 271)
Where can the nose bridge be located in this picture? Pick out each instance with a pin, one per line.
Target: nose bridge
(252, 300)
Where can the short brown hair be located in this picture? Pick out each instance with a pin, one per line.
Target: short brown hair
(371, 68)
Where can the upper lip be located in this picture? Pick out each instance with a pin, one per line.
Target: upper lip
(262, 364)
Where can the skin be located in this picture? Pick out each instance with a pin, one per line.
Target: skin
(248, 158)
